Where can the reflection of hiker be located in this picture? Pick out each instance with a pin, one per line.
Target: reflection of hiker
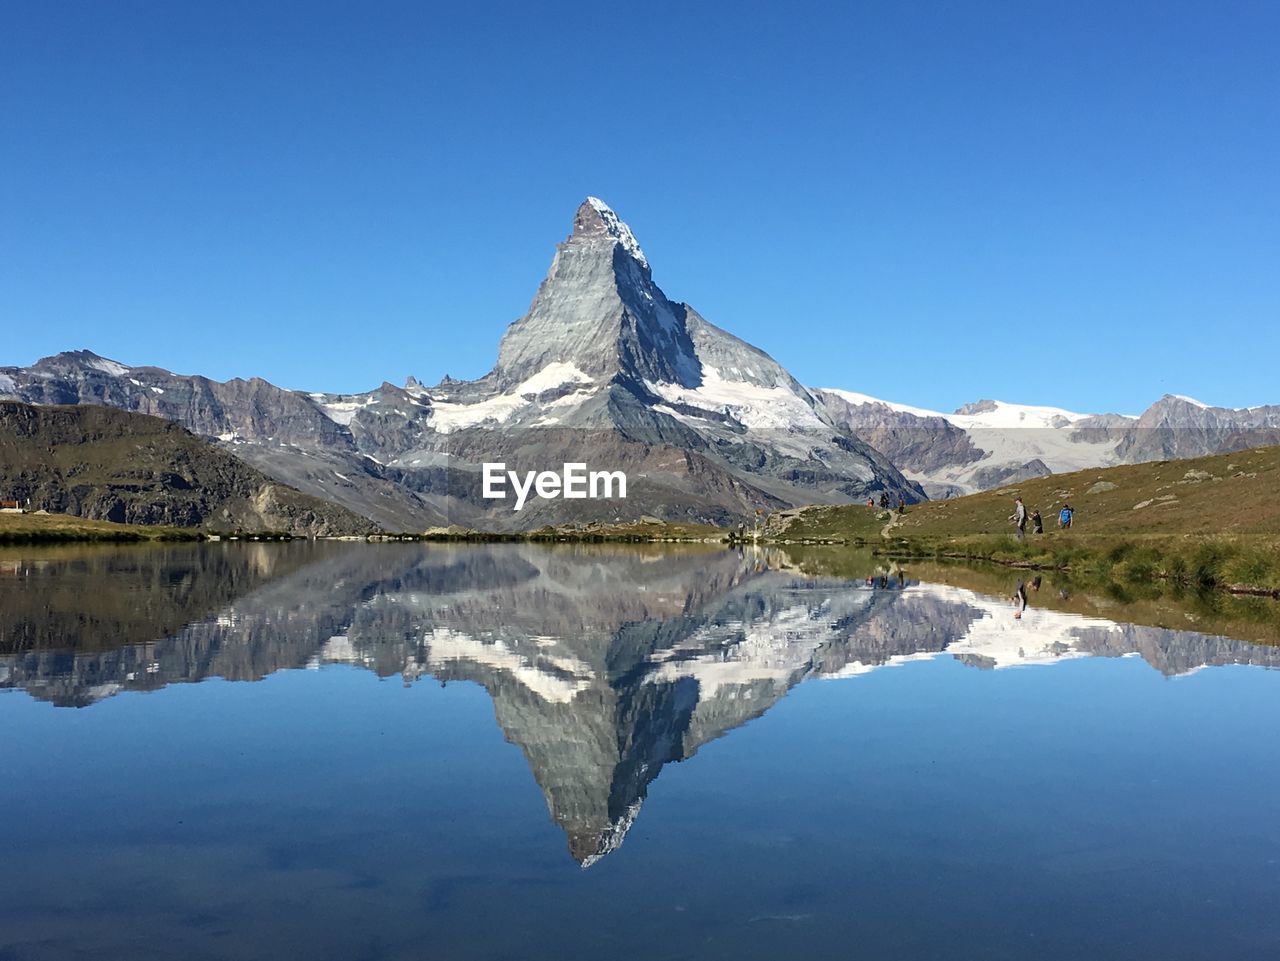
(1036, 582)
(1037, 524)
(1019, 517)
(1020, 599)
(902, 504)
(1065, 516)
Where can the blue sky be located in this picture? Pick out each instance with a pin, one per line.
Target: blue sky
(933, 202)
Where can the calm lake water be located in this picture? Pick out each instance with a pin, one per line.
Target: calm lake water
(409, 751)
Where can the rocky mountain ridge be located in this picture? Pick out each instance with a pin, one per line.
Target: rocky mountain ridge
(990, 443)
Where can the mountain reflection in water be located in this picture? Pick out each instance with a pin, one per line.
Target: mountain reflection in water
(603, 663)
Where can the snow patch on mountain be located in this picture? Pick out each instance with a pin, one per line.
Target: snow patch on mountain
(752, 405)
(108, 366)
(342, 411)
(554, 375)
(448, 416)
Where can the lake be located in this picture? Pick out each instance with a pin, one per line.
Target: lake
(351, 751)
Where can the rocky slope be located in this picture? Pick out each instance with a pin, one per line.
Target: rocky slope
(111, 465)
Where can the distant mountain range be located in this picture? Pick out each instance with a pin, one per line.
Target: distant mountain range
(605, 369)
(991, 443)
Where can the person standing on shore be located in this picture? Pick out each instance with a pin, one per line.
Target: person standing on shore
(1019, 517)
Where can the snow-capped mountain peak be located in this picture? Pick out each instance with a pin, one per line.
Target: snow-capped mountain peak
(595, 217)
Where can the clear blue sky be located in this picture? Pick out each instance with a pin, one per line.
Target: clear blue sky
(1070, 203)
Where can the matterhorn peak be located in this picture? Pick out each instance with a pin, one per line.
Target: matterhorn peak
(595, 218)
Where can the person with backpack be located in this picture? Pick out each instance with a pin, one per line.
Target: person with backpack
(1065, 516)
(1037, 522)
(1019, 517)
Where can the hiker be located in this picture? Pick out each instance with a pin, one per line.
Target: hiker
(1037, 523)
(1065, 516)
(1020, 599)
(1019, 517)
(871, 503)
(884, 500)
(902, 504)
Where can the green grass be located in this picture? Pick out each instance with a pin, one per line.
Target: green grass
(51, 528)
(1207, 523)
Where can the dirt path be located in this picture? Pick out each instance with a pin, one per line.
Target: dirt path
(894, 520)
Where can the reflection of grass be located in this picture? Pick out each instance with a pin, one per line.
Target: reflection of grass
(38, 528)
(1104, 590)
(1242, 564)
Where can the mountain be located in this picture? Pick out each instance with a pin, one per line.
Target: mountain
(603, 369)
(991, 443)
(113, 465)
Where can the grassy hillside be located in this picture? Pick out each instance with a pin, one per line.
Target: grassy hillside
(1208, 521)
(24, 528)
(111, 465)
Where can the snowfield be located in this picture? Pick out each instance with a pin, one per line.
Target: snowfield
(753, 406)
(447, 417)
